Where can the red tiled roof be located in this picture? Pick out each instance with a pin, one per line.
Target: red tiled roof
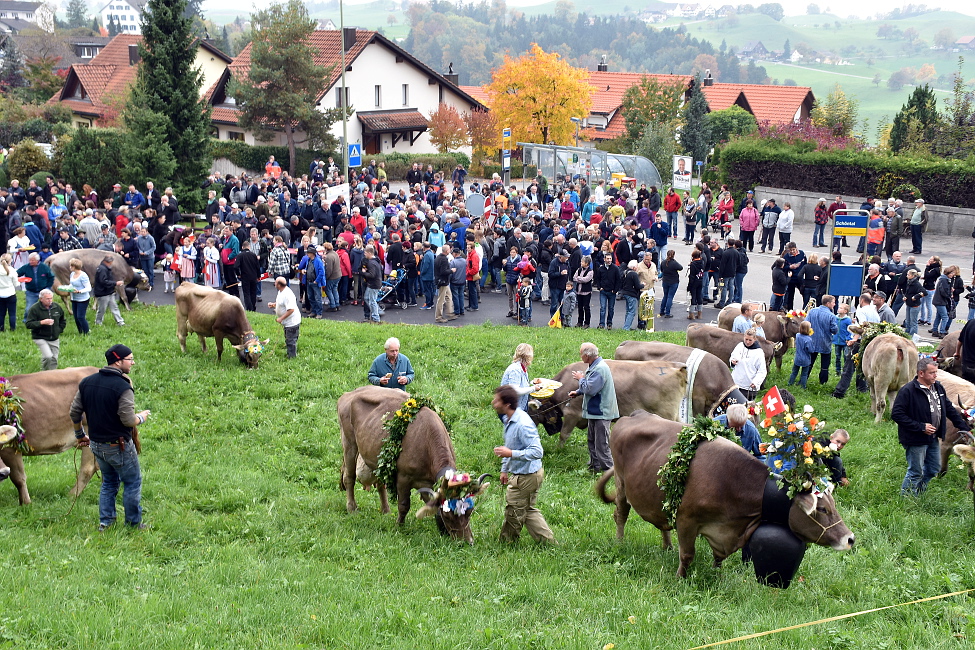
(479, 93)
(397, 120)
(613, 130)
(721, 96)
(776, 104)
(610, 87)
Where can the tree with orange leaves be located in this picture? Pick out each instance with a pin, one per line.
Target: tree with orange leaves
(447, 129)
(537, 94)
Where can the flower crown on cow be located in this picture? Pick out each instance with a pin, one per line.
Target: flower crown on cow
(794, 452)
(797, 314)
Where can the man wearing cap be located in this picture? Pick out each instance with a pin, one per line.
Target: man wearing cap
(286, 312)
(106, 239)
(917, 219)
(107, 398)
(117, 196)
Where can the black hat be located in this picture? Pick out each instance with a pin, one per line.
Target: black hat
(117, 352)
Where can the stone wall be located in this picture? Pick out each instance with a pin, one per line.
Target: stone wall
(942, 219)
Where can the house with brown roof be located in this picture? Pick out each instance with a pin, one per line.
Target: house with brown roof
(94, 90)
(965, 43)
(391, 92)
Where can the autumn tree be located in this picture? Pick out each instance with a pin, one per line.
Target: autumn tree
(41, 79)
(920, 112)
(447, 129)
(838, 113)
(483, 131)
(658, 144)
(955, 135)
(651, 101)
(537, 94)
(280, 91)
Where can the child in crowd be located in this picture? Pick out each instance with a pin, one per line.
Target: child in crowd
(525, 300)
(169, 274)
(842, 336)
(803, 355)
(569, 302)
(759, 321)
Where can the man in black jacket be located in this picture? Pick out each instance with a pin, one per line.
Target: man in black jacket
(727, 270)
(441, 276)
(921, 411)
(104, 289)
(108, 400)
(608, 279)
(249, 274)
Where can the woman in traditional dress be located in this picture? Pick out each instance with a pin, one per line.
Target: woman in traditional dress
(187, 259)
(211, 267)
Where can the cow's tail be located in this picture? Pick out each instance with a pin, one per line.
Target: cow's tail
(601, 486)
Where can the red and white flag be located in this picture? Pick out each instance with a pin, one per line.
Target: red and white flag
(772, 403)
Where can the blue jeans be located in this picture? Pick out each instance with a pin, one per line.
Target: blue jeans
(472, 293)
(371, 300)
(607, 303)
(688, 233)
(775, 302)
(79, 309)
(803, 376)
(941, 321)
(873, 249)
(31, 298)
(819, 234)
(927, 307)
(332, 290)
(556, 295)
(727, 291)
(739, 291)
(314, 293)
(670, 290)
(146, 264)
(916, 238)
(842, 355)
(429, 292)
(672, 220)
(457, 293)
(118, 467)
(923, 463)
(631, 304)
(910, 321)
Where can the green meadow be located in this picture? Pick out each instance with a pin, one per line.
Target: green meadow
(251, 545)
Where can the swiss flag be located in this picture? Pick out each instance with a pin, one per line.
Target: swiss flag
(772, 402)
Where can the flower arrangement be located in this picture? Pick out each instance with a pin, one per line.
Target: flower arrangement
(794, 452)
(801, 315)
(11, 406)
(872, 331)
(672, 477)
(396, 424)
(457, 490)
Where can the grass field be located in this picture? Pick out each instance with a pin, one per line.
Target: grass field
(251, 546)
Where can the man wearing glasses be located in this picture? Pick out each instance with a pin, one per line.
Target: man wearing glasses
(108, 400)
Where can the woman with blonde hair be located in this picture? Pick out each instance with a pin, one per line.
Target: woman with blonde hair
(80, 294)
(8, 291)
(516, 374)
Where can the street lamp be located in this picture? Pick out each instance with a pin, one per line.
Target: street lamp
(578, 123)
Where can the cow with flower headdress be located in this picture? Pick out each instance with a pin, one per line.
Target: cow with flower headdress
(780, 327)
(398, 441)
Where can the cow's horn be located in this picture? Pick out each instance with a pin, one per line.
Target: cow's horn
(480, 479)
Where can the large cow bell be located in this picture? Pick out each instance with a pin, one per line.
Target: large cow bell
(776, 554)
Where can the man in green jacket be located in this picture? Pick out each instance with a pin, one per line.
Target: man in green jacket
(598, 405)
(46, 321)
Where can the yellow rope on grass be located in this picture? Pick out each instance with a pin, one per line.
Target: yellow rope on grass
(828, 620)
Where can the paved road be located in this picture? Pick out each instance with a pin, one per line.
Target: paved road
(757, 288)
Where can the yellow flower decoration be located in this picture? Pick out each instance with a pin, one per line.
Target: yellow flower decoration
(809, 461)
(399, 414)
(778, 464)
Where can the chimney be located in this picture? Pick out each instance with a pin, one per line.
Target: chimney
(451, 76)
(708, 80)
(134, 57)
(348, 38)
(601, 66)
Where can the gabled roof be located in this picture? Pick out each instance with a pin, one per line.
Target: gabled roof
(479, 93)
(722, 96)
(611, 86)
(776, 104)
(17, 25)
(965, 40)
(11, 5)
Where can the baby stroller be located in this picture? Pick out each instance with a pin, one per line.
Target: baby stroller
(387, 293)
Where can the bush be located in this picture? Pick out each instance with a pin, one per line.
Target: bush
(253, 157)
(747, 162)
(26, 160)
(4, 182)
(35, 129)
(41, 178)
(517, 169)
(94, 156)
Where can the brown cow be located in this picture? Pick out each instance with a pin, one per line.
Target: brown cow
(209, 312)
(779, 327)
(427, 454)
(722, 498)
(721, 343)
(47, 423)
(961, 394)
(655, 386)
(889, 362)
(967, 454)
(712, 380)
(132, 279)
(945, 354)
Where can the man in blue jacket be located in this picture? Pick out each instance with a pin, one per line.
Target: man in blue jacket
(824, 326)
(426, 275)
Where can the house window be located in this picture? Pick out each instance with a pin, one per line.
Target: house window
(124, 18)
(440, 100)
(235, 135)
(88, 52)
(406, 94)
(82, 125)
(379, 96)
(30, 15)
(338, 97)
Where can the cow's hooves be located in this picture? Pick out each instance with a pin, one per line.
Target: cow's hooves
(352, 508)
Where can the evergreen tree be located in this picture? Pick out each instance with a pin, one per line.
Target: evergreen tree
(786, 49)
(11, 66)
(920, 107)
(168, 84)
(77, 15)
(695, 134)
(113, 26)
(95, 26)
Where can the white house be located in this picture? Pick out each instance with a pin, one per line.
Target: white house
(391, 92)
(17, 16)
(127, 14)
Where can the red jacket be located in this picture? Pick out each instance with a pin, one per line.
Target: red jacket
(473, 264)
(672, 202)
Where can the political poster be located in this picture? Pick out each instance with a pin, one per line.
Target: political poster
(682, 172)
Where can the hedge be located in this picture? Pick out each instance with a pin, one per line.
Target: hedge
(35, 129)
(748, 162)
(397, 164)
(516, 170)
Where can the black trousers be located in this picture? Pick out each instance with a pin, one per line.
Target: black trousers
(824, 359)
(230, 284)
(250, 295)
(847, 377)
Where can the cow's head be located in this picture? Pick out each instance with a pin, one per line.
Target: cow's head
(7, 434)
(967, 454)
(452, 503)
(813, 517)
(250, 349)
(791, 322)
(944, 362)
(546, 412)
(139, 281)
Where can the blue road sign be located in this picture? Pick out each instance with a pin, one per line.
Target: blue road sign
(355, 155)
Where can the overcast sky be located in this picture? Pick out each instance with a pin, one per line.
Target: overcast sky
(863, 8)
